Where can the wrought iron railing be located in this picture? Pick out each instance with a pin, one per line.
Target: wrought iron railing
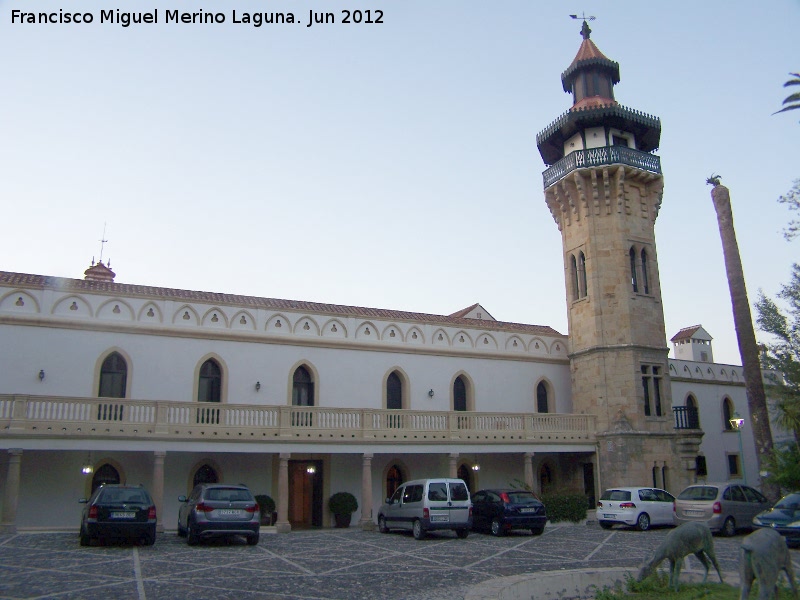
(606, 155)
(686, 417)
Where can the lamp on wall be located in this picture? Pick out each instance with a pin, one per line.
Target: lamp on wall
(476, 467)
(87, 468)
(258, 385)
(430, 393)
(311, 469)
(41, 374)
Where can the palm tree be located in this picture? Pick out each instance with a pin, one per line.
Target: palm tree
(792, 100)
(745, 334)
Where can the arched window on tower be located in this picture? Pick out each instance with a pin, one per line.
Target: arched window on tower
(573, 273)
(645, 278)
(584, 290)
(113, 377)
(542, 404)
(634, 279)
(209, 388)
(302, 388)
(459, 394)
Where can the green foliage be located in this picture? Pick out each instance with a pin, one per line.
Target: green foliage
(792, 101)
(565, 507)
(655, 588)
(266, 505)
(783, 466)
(781, 357)
(792, 200)
(343, 503)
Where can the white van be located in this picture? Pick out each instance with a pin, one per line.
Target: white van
(428, 504)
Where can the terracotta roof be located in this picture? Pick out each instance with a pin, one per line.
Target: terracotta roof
(686, 333)
(593, 102)
(63, 284)
(588, 50)
(464, 311)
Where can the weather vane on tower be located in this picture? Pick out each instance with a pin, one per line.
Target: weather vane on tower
(585, 31)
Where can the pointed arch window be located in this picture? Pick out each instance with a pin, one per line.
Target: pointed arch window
(465, 473)
(645, 278)
(302, 388)
(727, 414)
(583, 290)
(394, 479)
(573, 272)
(205, 474)
(546, 480)
(692, 412)
(394, 391)
(459, 394)
(105, 474)
(542, 404)
(113, 377)
(209, 388)
(634, 279)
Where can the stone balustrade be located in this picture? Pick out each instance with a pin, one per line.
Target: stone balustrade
(77, 418)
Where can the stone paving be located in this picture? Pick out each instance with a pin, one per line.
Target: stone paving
(325, 564)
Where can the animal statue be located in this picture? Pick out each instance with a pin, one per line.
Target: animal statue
(688, 538)
(763, 556)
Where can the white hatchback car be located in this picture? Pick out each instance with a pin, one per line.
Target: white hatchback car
(639, 507)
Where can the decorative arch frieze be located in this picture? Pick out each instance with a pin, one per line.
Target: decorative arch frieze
(515, 344)
(19, 301)
(150, 312)
(306, 326)
(215, 317)
(487, 342)
(538, 346)
(463, 340)
(440, 338)
(367, 332)
(243, 321)
(392, 333)
(115, 309)
(415, 336)
(72, 306)
(334, 328)
(279, 324)
(185, 316)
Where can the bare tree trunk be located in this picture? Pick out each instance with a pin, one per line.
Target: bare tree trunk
(745, 334)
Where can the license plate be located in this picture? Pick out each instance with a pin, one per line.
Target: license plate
(123, 515)
(440, 518)
(609, 516)
(527, 510)
(693, 513)
(226, 512)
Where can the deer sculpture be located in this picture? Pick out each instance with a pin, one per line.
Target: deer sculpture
(763, 556)
(688, 538)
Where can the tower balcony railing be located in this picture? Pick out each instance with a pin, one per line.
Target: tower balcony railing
(595, 157)
(109, 418)
(686, 417)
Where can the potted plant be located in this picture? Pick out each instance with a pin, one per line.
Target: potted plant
(343, 505)
(266, 506)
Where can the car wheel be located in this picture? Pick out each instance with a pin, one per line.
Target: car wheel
(606, 525)
(537, 530)
(252, 540)
(191, 537)
(497, 527)
(643, 522)
(382, 525)
(417, 530)
(85, 539)
(729, 527)
(462, 533)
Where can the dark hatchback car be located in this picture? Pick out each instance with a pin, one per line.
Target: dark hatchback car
(784, 518)
(116, 512)
(500, 511)
(219, 510)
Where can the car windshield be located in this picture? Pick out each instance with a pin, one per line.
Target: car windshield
(790, 502)
(616, 495)
(700, 492)
(228, 495)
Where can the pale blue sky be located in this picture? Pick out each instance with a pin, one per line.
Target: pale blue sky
(392, 166)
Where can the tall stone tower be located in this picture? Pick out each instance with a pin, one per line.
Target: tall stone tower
(604, 189)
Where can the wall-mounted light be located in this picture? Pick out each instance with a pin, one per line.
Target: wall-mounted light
(258, 385)
(87, 468)
(476, 467)
(41, 374)
(430, 393)
(311, 469)
(736, 421)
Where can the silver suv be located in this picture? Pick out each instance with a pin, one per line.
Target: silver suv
(218, 510)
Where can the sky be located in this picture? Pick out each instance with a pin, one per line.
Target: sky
(389, 165)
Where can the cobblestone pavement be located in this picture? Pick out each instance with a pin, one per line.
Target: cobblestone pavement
(314, 565)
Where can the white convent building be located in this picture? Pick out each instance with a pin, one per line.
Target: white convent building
(115, 382)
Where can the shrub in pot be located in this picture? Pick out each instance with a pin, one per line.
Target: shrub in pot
(343, 505)
(266, 507)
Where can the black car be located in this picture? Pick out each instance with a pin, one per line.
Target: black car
(500, 511)
(118, 512)
(784, 518)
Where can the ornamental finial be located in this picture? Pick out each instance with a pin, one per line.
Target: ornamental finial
(585, 31)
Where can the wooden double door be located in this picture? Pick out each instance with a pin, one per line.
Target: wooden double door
(305, 493)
